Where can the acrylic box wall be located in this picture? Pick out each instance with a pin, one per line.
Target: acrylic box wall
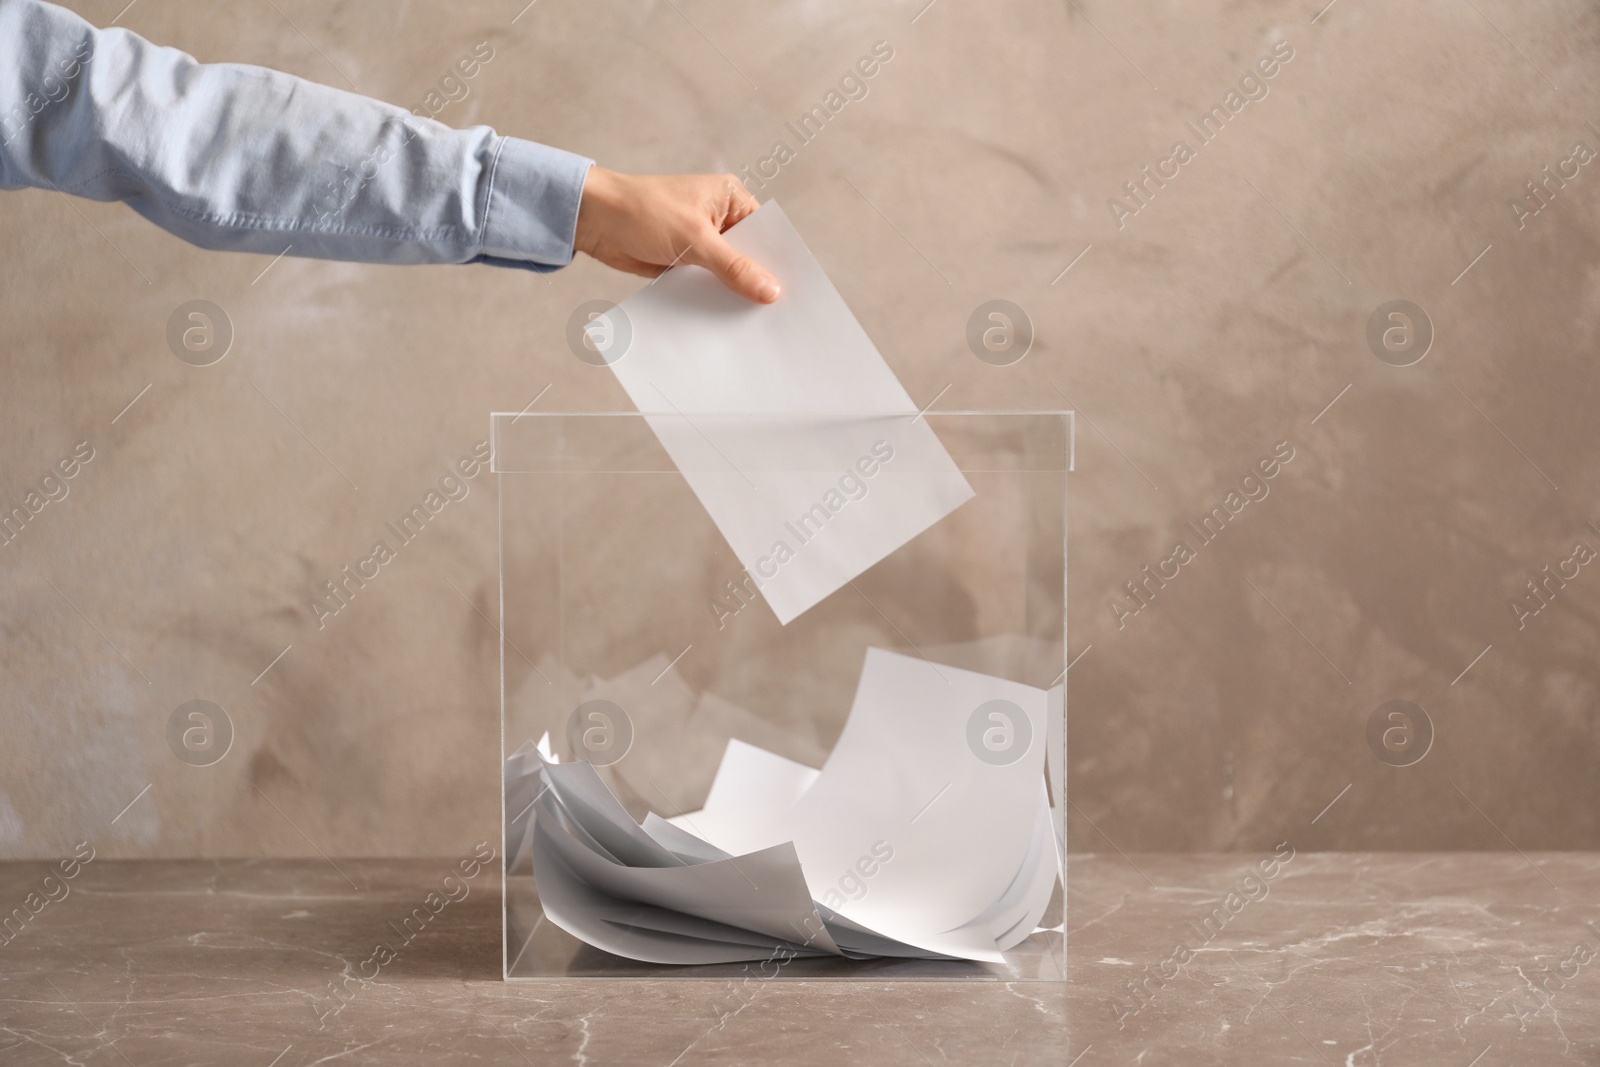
(655, 616)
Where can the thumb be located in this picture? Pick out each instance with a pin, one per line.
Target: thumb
(738, 272)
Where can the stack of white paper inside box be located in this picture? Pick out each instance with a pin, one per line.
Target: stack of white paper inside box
(907, 841)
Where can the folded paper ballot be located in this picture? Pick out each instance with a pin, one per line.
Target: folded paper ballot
(796, 436)
(927, 833)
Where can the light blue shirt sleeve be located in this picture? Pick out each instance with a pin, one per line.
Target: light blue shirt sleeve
(245, 159)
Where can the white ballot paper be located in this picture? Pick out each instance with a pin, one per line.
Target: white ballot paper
(793, 432)
(928, 833)
(753, 793)
(944, 834)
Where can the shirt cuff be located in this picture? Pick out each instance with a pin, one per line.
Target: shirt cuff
(531, 219)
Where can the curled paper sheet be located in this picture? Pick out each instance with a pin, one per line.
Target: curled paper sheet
(921, 836)
(523, 783)
(640, 931)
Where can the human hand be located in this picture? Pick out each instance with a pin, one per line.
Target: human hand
(645, 223)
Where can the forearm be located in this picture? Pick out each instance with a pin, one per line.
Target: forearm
(242, 158)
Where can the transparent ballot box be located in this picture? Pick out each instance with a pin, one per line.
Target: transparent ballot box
(783, 696)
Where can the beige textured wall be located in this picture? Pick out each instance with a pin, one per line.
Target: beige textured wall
(1219, 319)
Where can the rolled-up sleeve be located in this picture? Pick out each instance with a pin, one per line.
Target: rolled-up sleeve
(242, 158)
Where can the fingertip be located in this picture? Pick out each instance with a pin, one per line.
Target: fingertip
(768, 291)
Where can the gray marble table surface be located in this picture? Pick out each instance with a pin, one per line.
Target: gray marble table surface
(1349, 959)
